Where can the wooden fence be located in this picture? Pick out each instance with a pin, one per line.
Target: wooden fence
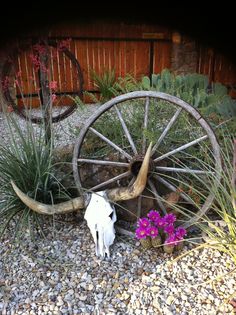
(128, 49)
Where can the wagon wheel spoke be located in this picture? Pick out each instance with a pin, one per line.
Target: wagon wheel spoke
(111, 180)
(157, 196)
(145, 124)
(126, 131)
(103, 162)
(172, 188)
(139, 210)
(182, 170)
(181, 148)
(112, 144)
(164, 133)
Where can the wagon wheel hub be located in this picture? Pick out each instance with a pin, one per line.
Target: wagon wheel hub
(136, 163)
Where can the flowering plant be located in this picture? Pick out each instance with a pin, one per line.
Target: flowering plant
(155, 226)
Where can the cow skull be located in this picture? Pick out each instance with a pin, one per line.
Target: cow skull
(101, 216)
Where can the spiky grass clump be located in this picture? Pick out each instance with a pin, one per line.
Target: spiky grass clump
(222, 232)
(219, 223)
(28, 161)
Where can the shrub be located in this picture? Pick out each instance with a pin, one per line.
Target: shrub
(28, 161)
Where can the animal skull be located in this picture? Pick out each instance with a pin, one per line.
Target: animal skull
(101, 216)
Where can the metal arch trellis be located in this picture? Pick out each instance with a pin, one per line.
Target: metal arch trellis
(7, 69)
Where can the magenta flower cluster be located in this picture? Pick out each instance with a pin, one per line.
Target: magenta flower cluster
(154, 224)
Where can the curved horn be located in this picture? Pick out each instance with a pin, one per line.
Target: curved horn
(126, 193)
(63, 207)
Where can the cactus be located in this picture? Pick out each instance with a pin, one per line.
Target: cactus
(146, 83)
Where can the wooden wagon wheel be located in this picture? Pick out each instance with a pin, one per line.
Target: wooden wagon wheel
(8, 68)
(113, 141)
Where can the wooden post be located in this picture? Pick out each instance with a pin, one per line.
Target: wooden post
(46, 102)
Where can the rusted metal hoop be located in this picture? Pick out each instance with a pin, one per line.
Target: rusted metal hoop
(162, 96)
(7, 67)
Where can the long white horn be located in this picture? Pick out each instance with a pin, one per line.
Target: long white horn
(126, 193)
(63, 207)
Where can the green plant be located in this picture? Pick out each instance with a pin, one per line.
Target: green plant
(28, 161)
(126, 84)
(223, 236)
(195, 89)
(219, 223)
(104, 83)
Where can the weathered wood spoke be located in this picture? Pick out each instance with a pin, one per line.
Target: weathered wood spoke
(112, 144)
(181, 170)
(164, 133)
(112, 180)
(157, 196)
(173, 188)
(145, 124)
(126, 131)
(139, 210)
(183, 147)
(103, 162)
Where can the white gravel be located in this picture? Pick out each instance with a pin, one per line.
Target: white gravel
(61, 274)
(64, 131)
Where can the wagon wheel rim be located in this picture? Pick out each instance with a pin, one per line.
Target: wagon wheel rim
(7, 68)
(156, 170)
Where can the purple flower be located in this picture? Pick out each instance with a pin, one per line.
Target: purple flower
(153, 215)
(171, 240)
(152, 231)
(169, 229)
(141, 232)
(160, 222)
(169, 218)
(143, 222)
(180, 233)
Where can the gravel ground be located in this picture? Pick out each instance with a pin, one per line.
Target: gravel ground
(62, 275)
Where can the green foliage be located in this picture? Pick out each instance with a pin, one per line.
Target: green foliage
(219, 224)
(193, 88)
(126, 84)
(26, 160)
(104, 84)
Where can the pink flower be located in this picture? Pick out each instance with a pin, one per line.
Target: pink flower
(169, 218)
(54, 97)
(160, 222)
(169, 229)
(171, 240)
(53, 85)
(141, 232)
(152, 231)
(180, 233)
(35, 61)
(143, 222)
(39, 48)
(153, 215)
(64, 44)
